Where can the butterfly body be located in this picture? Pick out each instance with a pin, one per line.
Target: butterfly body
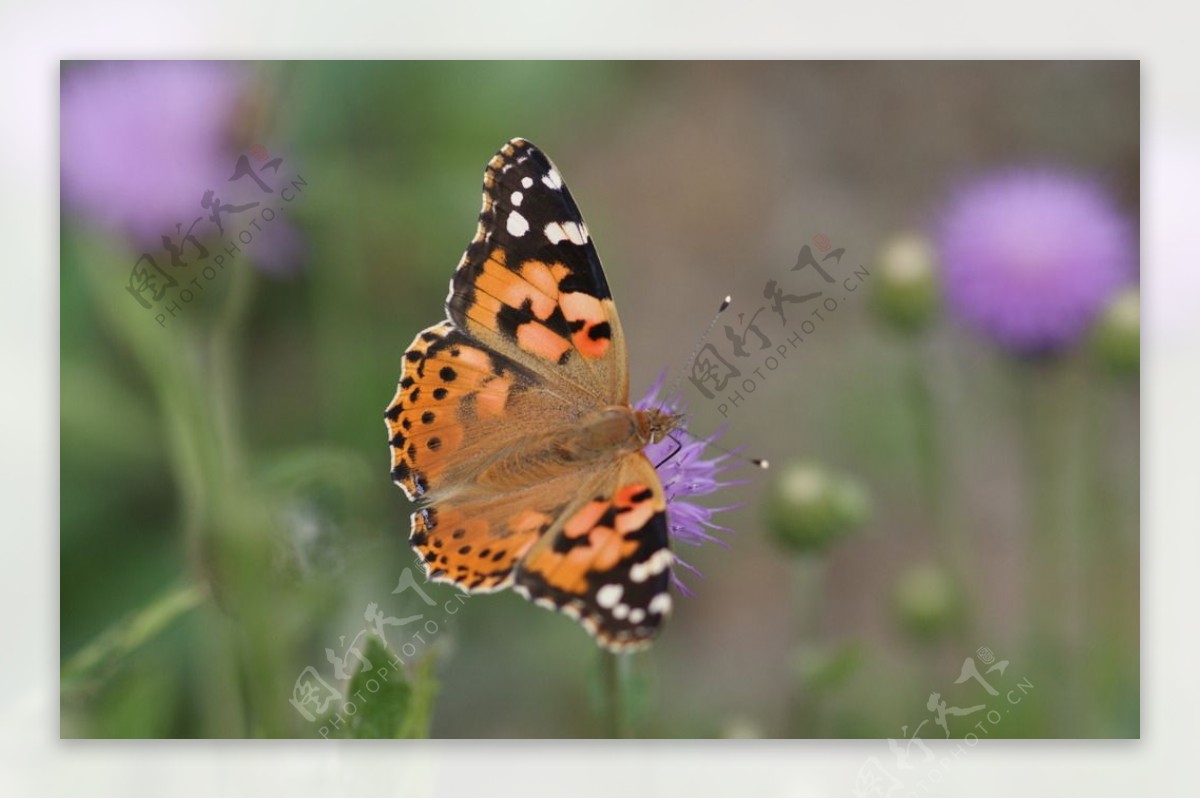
(512, 427)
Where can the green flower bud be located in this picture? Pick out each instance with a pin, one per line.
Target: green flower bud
(809, 508)
(1117, 337)
(927, 601)
(905, 288)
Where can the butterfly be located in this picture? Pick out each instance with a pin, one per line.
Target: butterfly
(512, 428)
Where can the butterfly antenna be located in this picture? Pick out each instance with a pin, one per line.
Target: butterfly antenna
(696, 350)
(761, 463)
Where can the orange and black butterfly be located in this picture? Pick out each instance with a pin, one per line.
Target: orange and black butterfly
(512, 425)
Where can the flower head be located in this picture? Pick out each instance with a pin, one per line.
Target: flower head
(143, 141)
(1030, 257)
(685, 475)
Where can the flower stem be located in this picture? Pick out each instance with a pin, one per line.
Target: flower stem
(808, 592)
(951, 547)
(920, 402)
(614, 671)
(1110, 591)
(1053, 546)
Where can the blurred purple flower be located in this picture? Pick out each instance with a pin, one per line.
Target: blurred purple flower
(1031, 257)
(142, 141)
(685, 475)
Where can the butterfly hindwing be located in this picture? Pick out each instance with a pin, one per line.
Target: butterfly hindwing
(474, 542)
(608, 562)
(530, 284)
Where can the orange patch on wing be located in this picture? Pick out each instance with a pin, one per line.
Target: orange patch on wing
(580, 307)
(540, 340)
(528, 521)
(576, 305)
(473, 357)
(605, 545)
(544, 277)
(585, 518)
(635, 513)
(484, 310)
(512, 289)
(491, 401)
(610, 547)
(593, 348)
(605, 548)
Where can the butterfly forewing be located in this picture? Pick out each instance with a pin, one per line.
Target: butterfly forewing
(531, 286)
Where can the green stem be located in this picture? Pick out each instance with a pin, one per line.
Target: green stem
(808, 590)
(920, 401)
(1110, 585)
(614, 670)
(223, 348)
(951, 547)
(1053, 546)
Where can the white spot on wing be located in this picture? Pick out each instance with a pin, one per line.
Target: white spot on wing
(516, 198)
(553, 179)
(636, 615)
(655, 564)
(661, 604)
(576, 232)
(620, 611)
(526, 182)
(609, 595)
(517, 224)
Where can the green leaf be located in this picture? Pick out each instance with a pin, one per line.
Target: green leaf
(389, 704)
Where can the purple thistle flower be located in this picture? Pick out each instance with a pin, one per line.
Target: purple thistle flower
(685, 475)
(1031, 257)
(142, 141)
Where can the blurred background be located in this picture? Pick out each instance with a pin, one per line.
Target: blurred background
(949, 531)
